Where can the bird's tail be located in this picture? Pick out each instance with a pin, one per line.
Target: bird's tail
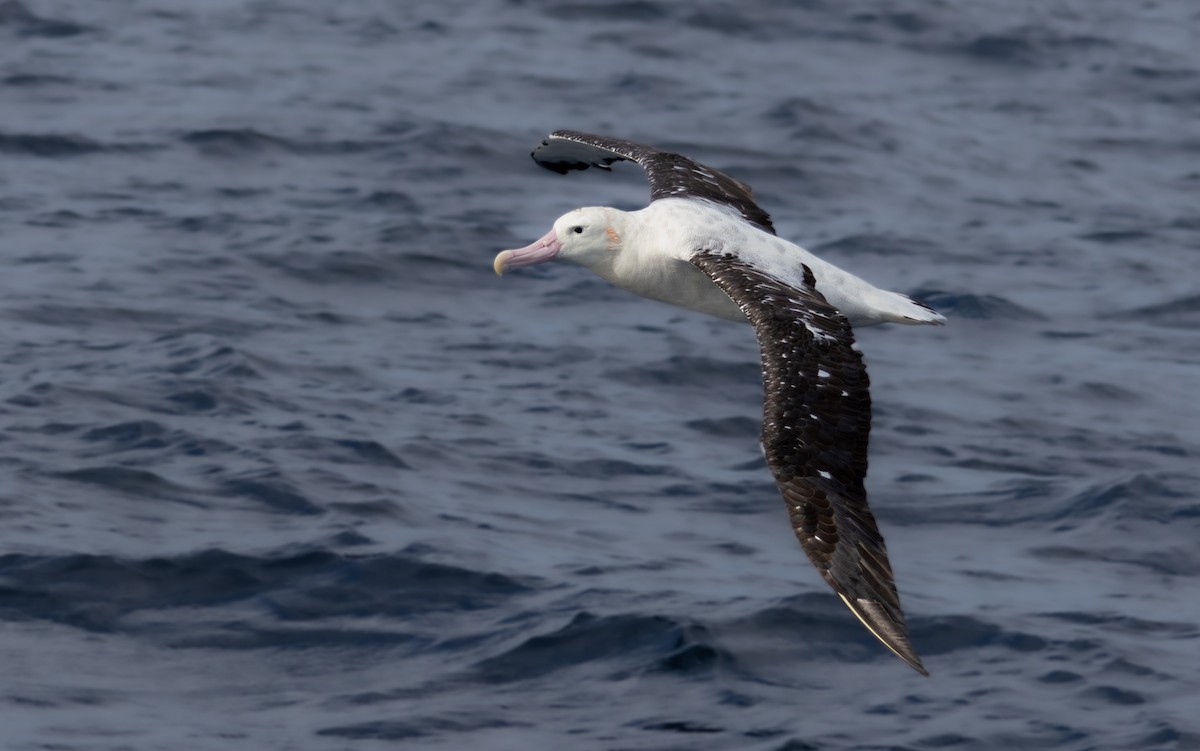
(903, 309)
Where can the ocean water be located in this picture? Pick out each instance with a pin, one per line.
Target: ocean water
(284, 465)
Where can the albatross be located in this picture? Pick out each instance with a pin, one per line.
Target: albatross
(704, 244)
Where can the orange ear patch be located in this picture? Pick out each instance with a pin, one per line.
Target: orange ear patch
(613, 238)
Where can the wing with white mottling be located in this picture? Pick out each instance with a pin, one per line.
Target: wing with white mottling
(670, 175)
(816, 422)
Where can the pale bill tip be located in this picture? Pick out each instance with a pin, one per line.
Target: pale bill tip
(500, 265)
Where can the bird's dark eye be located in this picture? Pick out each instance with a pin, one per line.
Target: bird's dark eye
(577, 230)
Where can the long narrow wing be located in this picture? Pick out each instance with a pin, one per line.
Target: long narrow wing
(670, 175)
(816, 422)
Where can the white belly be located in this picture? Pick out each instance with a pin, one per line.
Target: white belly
(680, 283)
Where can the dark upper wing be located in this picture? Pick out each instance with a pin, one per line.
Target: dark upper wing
(816, 420)
(671, 175)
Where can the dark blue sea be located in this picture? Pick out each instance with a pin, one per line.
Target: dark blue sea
(284, 465)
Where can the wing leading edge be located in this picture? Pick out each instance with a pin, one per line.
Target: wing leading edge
(670, 175)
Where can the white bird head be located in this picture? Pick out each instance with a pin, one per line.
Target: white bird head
(585, 236)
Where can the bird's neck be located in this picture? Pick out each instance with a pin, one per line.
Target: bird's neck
(634, 261)
(614, 264)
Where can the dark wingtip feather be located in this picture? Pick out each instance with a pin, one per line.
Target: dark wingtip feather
(886, 629)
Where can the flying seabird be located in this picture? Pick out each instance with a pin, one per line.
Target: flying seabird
(704, 244)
